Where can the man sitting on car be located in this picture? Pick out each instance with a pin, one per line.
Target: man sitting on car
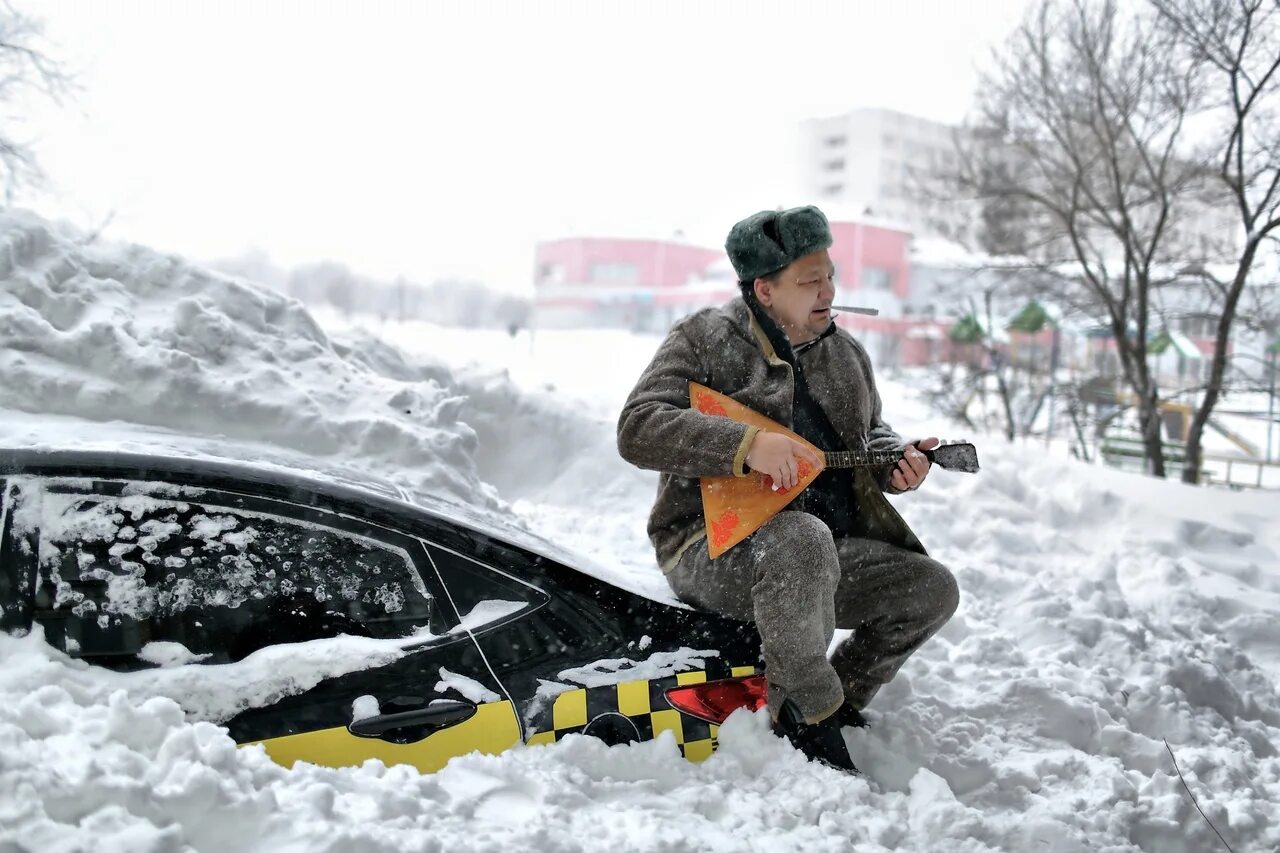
(839, 556)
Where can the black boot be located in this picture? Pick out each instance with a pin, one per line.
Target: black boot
(821, 741)
(847, 715)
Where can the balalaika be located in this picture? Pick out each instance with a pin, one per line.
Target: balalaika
(735, 507)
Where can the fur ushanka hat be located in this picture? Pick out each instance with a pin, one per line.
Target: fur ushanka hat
(767, 241)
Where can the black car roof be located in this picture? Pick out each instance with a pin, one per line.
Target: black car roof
(337, 482)
(125, 447)
(346, 483)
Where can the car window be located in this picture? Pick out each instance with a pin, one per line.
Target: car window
(125, 565)
(484, 596)
(496, 589)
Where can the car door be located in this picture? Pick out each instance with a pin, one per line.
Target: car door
(302, 626)
(589, 657)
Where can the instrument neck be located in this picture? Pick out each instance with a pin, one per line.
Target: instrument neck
(863, 459)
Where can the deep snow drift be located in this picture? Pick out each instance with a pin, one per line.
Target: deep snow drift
(1101, 612)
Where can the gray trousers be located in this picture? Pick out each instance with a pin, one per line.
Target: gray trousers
(798, 584)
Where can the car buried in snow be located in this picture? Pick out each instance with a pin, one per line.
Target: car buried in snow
(381, 627)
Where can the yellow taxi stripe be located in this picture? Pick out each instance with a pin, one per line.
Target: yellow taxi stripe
(569, 710)
(541, 738)
(668, 721)
(699, 750)
(633, 698)
(491, 730)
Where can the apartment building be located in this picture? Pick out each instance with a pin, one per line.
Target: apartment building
(882, 163)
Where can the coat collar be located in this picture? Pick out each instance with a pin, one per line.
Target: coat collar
(768, 336)
(836, 391)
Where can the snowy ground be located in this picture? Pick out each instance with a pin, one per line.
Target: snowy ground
(1102, 613)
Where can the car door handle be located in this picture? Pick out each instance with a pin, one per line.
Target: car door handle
(438, 715)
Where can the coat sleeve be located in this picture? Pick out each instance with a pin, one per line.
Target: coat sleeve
(880, 437)
(658, 430)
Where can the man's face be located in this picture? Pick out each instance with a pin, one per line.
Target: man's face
(799, 299)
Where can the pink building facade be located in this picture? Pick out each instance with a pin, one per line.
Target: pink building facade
(871, 258)
(613, 261)
(646, 285)
(614, 282)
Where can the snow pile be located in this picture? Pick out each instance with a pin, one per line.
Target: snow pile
(125, 334)
(569, 484)
(1092, 628)
(1102, 613)
(208, 692)
(92, 770)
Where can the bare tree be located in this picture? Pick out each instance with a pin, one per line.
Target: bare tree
(999, 367)
(1079, 158)
(26, 70)
(1235, 45)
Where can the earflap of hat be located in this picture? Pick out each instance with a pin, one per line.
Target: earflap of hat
(755, 247)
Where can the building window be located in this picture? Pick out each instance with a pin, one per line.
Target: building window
(1199, 327)
(835, 141)
(877, 278)
(614, 273)
(833, 189)
(834, 165)
(549, 273)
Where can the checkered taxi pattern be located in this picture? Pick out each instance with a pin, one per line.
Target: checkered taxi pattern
(644, 703)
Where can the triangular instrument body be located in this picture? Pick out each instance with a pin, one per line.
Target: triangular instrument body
(736, 507)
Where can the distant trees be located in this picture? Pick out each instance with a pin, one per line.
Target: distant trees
(1002, 354)
(454, 302)
(27, 72)
(1103, 137)
(448, 302)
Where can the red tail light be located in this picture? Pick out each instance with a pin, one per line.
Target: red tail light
(714, 701)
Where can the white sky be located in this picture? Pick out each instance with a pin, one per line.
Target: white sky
(437, 139)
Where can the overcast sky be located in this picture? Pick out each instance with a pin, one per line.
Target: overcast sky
(444, 139)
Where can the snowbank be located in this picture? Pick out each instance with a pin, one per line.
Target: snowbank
(1102, 613)
(111, 334)
(125, 337)
(90, 770)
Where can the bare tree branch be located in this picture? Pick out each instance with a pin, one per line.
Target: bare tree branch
(1238, 47)
(26, 70)
(1083, 123)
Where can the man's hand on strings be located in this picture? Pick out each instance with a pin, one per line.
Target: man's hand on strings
(913, 467)
(779, 457)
